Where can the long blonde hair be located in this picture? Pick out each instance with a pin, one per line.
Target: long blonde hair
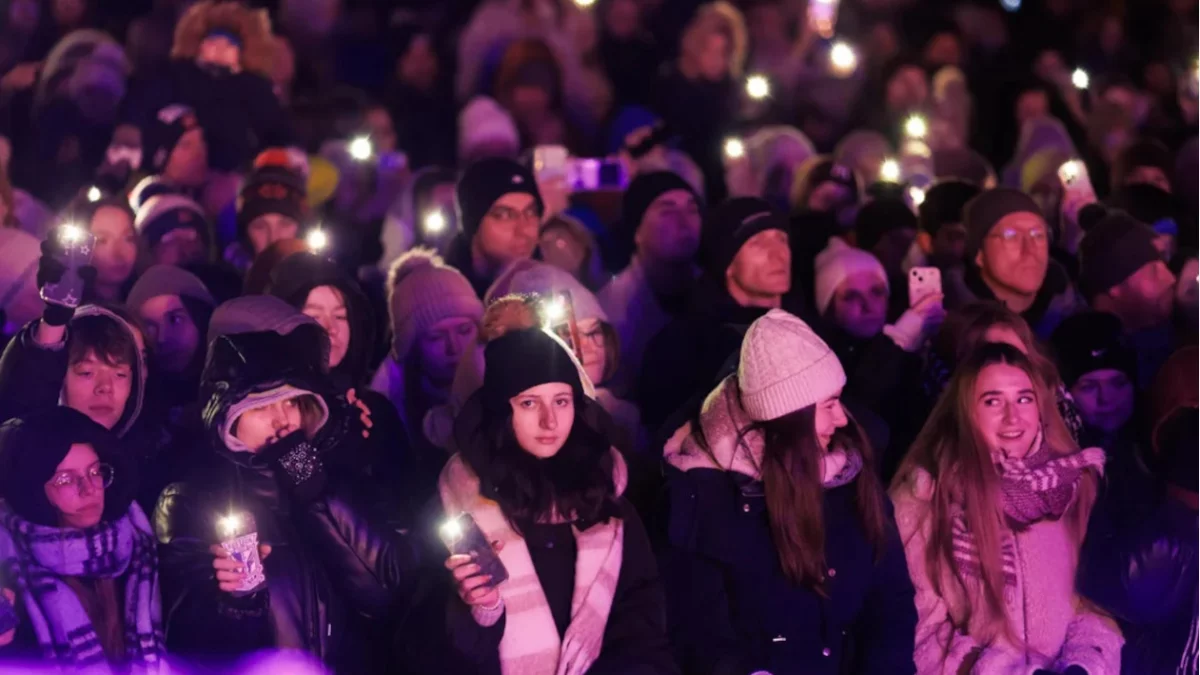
(952, 450)
(716, 17)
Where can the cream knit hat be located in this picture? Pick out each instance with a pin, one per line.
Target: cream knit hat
(423, 291)
(785, 367)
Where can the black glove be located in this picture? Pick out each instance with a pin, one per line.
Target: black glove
(298, 466)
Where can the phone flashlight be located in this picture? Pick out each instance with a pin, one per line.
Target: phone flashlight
(1069, 171)
(229, 525)
(889, 171)
(842, 58)
(916, 195)
(238, 533)
(451, 531)
(734, 148)
(1080, 78)
(434, 223)
(360, 149)
(317, 240)
(554, 311)
(1011, 5)
(916, 127)
(758, 87)
(584, 4)
(70, 233)
(94, 194)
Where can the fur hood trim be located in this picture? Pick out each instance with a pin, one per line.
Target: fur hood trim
(253, 26)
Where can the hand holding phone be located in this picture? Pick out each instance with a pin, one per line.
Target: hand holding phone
(922, 283)
(61, 271)
(474, 561)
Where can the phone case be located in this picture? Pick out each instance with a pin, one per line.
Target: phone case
(475, 544)
(68, 291)
(242, 545)
(923, 282)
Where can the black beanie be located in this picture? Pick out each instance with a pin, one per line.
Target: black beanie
(161, 136)
(880, 216)
(272, 189)
(1149, 205)
(983, 212)
(1146, 152)
(640, 194)
(521, 359)
(32, 447)
(1092, 341)
(1112, 250)
(944, 204)
(486, 181)
(730, 225)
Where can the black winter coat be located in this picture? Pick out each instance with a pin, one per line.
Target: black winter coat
(732, 611)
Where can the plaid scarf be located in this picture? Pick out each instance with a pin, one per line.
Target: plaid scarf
(41, 556)
(1038, 487)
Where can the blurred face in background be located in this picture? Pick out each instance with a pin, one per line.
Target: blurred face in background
(1146, 298)
(23, 16)
(1149, 175)
(859, 305)
(441, 348)
(327, 306)
(828, 197)
(712, 61)
(950, 245)
(943, 49)
(1105, 399)
(169, 327)
(623, 20)
(767, 25)
(592, 343)
(116, 245)
(218, 50)
(509, 230)
(181, 246)
(908, 89)
(418, 66)
(670, 228)
(188, 163)
(270, 228)
(380, 128)
(1031, 104)
(561, 248)
(68, 13)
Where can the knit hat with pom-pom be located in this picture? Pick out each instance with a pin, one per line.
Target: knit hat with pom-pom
(785, 367)
(423, 291)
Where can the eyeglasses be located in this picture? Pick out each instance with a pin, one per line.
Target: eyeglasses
(508, 215)
(1012, 237)
(98, 477)
(595, 336)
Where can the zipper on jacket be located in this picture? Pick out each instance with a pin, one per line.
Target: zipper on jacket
(1024, 597)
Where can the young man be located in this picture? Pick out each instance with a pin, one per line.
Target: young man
(175, 148)
(940, 218)
(271, 207)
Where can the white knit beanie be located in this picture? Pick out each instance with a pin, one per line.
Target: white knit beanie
(838, 261)
(423, 291)
(483, 122)
(785, 367)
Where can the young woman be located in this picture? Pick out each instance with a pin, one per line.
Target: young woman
(79, 556)
(111, 222)
(992, 502)
(783, 555)
(540, 481)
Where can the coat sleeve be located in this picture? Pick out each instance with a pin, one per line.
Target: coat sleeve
(31, 376)
(635, 637)
(1094, 643)
(888, 620)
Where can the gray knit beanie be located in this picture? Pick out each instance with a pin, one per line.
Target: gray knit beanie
(167, 280)
(982, 213)
(785, 367)
(423, 291)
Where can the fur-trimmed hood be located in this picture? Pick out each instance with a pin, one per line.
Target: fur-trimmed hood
(253, 26)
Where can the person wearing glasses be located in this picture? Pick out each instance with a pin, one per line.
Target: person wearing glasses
(80, 582)
(500, 210)
(1008, 259)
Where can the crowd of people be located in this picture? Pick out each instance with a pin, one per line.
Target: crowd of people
(638, 337)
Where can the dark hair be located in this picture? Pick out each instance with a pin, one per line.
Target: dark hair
(103, 336)
(577, 483)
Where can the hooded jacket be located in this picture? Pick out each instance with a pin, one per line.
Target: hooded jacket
(732, 608)
(332, 558)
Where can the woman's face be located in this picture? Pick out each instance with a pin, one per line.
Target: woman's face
(1006, 410)
(270, 228)
(830, 417)
(170, 328)
(543, 417)
(713, 59)
(116, 245)
(218, 50)
(591, 345)
(561, 249)
(860, 305)
(262, 426)
(327, 307)
(1105, 399)
(442, 347)
(76, 489)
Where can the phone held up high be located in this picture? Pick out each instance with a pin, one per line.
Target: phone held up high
(462, 536)
(75, 248)
(1076, 181)
(922, 283)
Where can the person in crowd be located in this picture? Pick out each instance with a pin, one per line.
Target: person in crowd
(537, 474)
(775, 154)
(1144, 162)
(660, 222)
(19, 299)
(111, 222)
(486, 130)
(173, 148)
(747, 270)
(887, 228)
(783, 554)
(942, 235)
(174, 307)
(500, 210)
(423, 217)
(992, 504)
(528, 83)
(863, 151)
(1121, 272)
(1100, 371)
(174, 230)
(271, 208)
(420, 99)
(1143, 570)
(435, 317)
(281, 452)
(220, 68)
(824, 186)
(1008, 260)
(81, 570)
(568, 244)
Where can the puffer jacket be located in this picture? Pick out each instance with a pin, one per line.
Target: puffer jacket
(732, 609)
(332, 561)
(1046, 614)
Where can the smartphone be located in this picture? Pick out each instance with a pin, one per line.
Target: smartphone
(593, 174)
(462, 536)
(1076, 181)
(239, 536)
(550, 161)
(75, 246)
(822, 17)
(922, 283)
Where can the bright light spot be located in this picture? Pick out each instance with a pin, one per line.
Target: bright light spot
(452, 530)
(360, 149)
(734, 148)
(916, 195)
(1069, 171)
(842, 58)
(230, 524)
(70, 233)
(1080, 79)
(758, 87)
(554, 311)
(317, 240)
(435, 223)
(889, 171)
(94, 194)
(916, 127)
(1011, 5)
(584, 3)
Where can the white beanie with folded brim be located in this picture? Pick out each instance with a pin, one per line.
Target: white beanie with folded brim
(784, 367)
(835, 264)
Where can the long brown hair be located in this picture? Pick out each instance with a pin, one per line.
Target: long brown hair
(966, 329)
(952, 450)
(791, 471)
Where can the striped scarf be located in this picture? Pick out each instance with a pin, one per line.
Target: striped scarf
(39, 557)
(531, 645)
(1038, 487)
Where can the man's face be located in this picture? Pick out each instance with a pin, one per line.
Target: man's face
(188, 164)
(763, 265)
(270, 228)
(1031, 104)
(1149, 175)
(382, 132)
(179, 247)
(1147, 297)
(99, 388)
(1016, 253)
(218, 50)
(170, 328)
(509, 230)
(950, 245)
(670, 228)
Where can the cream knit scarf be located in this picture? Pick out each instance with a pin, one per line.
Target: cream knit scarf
(530, 645)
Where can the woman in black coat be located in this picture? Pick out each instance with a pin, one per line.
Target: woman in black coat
(542, 483)
(783, 555)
